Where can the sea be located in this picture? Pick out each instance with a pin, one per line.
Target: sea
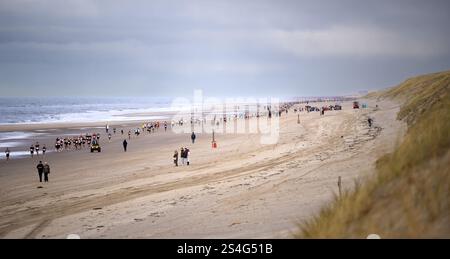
(44, 110)
(55, 110)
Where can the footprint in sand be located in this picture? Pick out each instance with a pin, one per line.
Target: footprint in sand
(156, 214)
(206, 188)
(234, 224)
(185, 198)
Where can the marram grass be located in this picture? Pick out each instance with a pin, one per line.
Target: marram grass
(409, 197)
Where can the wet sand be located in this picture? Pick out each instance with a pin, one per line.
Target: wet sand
(242, 189)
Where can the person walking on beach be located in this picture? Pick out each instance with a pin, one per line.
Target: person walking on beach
(7, 153)
(46, 171)
(121, 131)
(32, 150)
(109, 137)
(182, 156)
(175, 158)
(187, 152)
(44, 149)
(165, 126)
(125, 145)
(193, 137)
(129, 134)
(370, 121)
(40, 168)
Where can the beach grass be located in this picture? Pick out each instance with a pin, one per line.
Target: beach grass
(409, 196)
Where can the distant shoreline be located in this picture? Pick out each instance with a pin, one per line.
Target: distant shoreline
(36, 113)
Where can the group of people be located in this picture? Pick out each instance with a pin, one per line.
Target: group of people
(184, 153)
(184, 156)
(154, 125)
(80, 142)
(83, 141)
(35, 148)
(150, 127)
(43, 170)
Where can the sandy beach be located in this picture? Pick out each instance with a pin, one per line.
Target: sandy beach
(242, 189)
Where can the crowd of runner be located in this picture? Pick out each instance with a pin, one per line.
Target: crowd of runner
(75, 143)
(84, 141)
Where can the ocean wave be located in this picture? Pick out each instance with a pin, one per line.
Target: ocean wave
(61, 110)
(16, 135)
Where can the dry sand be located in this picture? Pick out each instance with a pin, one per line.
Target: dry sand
(241, 190)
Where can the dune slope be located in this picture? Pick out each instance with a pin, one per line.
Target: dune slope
(409, 195)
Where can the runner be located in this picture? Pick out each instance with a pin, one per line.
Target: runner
(32, 150)
(36, 147)
(7, 153)
(193, 137)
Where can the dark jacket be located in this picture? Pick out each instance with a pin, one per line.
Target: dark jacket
(46, 169)
(40, 168)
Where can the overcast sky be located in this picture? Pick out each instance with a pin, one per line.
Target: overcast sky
(225, 48)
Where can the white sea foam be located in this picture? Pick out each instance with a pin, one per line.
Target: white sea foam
(16, 135)
(46, 130)
(10, 144)
(21, 154)
(36, 110)
(95, 116)
(15, 154)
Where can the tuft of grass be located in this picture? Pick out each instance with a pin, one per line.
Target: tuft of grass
(409, 195)
(419, 94)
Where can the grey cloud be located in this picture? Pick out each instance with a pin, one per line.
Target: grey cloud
(360, 42)
(168, 47)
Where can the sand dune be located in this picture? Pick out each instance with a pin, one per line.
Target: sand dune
(243, 189)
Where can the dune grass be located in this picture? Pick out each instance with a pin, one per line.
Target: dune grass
(409, 197)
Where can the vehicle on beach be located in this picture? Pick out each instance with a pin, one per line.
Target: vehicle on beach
(337, 107)
(355, 105)
(95, 146)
